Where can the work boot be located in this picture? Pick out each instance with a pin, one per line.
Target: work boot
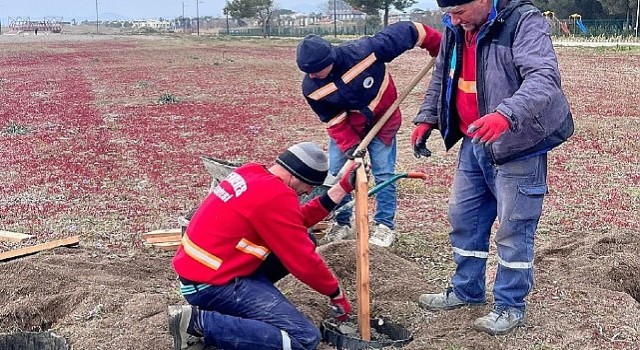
(382, 236)
(446, 300)
(336, 233)
(179, 319)
(501, 320)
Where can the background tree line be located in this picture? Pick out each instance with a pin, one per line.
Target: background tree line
(266, 13)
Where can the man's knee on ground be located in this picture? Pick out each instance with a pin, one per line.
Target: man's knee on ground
(310, 339)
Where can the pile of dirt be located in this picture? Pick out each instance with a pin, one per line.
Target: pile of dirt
(94, 299)
(98, 300)
(395, 284)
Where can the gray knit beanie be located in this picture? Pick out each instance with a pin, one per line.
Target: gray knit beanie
(306, 161)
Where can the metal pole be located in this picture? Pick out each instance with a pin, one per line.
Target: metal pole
(197, 17)
(637, 15)
(335, 19)
(184, 23)
(97, 27)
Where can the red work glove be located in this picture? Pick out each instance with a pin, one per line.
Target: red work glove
(340, 307)
(488, 128)
(348, 180)
(419, 140)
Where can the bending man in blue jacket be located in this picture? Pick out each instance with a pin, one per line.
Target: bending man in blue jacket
(497, 88)
(349, 88)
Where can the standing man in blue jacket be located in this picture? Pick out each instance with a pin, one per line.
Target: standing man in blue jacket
(349, 87)
(497, 88)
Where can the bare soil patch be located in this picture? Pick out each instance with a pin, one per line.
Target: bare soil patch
(86, 149)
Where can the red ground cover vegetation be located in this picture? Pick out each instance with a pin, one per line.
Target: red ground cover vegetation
(88, 147)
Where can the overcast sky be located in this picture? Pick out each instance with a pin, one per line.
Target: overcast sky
(141, 9)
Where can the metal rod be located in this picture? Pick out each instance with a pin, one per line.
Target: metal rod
(637, 15)
(97, 22)
(198, 17)
(335, 19)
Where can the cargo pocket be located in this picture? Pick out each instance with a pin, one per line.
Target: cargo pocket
(528, 204)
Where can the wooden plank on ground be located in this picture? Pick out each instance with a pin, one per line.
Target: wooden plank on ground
(13, 236)
(163, 233)
(66, 242)
(163, 239)
(167, 245)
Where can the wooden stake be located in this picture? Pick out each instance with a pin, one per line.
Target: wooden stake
(71, 241)
(362, 251)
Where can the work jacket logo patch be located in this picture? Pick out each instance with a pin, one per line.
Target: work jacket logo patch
(368, 83)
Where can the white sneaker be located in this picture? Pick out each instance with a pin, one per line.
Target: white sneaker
(383, 236)
(336, 233)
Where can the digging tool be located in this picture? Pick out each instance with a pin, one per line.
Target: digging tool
(380, 123)
(377, 188)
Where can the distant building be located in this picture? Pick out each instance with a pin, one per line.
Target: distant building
(153, 23)
(343, 12)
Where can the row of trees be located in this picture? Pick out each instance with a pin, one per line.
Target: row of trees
(265, 11)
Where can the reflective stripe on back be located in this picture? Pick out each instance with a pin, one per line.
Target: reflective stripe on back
(248, 247)
(202, 256)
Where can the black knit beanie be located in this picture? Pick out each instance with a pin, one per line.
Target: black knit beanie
(450, 3)
(314, 54)
(306, 161)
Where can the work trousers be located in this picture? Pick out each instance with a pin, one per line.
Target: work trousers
(383, 165)
(250, 313)
(513, 193)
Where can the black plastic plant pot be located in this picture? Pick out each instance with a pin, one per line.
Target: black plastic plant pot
(32, 341)
(389, 334)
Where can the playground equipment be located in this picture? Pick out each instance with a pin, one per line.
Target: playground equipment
(577, 22)
(557, 24)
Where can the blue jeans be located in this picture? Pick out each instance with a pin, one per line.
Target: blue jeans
(383, 165)
(251, 313)
(512, 193)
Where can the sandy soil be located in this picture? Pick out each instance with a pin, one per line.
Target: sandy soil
(85, 148)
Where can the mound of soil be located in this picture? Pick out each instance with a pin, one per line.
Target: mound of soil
(99, 300)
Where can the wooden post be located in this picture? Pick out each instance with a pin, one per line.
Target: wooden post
(362, 251)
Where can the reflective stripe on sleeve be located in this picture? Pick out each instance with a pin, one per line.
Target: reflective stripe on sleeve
(359, 68)
(422, 33)
(337, 120)
(323, 91)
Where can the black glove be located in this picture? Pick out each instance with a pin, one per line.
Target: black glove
(352, 154)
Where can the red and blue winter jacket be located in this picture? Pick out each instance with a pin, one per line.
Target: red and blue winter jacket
(359, 89)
